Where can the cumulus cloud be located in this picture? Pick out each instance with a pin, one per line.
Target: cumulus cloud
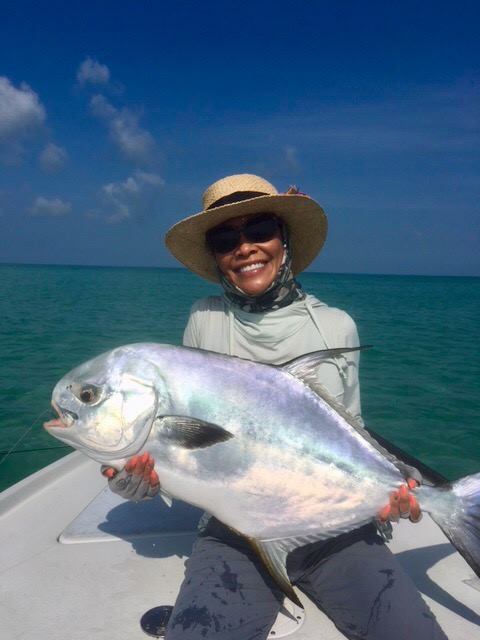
(91, 71)
(49, 207)
(135, 197)
(52, 158)
(134, 143)
(21, 114)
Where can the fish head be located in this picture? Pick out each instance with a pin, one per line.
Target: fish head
(106, 406)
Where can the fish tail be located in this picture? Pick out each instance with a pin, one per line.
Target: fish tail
(459, 517)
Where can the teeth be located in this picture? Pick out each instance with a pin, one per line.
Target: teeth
(252, 267)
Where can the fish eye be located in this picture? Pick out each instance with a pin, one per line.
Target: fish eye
(89, 394)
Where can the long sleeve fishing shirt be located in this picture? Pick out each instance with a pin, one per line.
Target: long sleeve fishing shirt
(275, 337)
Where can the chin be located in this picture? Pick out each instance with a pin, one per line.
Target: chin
(252, 290)
(257, 285)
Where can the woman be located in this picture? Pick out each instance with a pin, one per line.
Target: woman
(254, 241)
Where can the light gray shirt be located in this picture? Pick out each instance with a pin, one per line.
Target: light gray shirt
(278, 336)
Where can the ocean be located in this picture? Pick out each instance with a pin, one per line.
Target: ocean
(420, 383)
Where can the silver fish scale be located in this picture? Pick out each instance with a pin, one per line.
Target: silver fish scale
(286, 438)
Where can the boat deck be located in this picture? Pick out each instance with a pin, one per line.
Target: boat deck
(116, 559)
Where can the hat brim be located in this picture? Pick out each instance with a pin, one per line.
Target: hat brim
(305, 219)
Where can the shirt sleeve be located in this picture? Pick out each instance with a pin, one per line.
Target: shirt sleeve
(190, 337)
(192, 333)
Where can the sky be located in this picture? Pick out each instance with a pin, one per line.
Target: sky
(115, 117)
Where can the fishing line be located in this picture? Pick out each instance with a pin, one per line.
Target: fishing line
(11, 453)
(15, 445)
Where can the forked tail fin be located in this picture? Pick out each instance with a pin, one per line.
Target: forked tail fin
(459, 518)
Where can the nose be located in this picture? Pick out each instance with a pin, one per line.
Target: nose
(245, 247)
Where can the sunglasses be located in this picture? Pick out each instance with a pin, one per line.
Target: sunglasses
(224, 239)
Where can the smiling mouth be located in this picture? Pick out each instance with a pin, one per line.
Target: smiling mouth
(255, 266)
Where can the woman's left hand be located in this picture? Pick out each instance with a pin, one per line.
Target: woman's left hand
(403, 504)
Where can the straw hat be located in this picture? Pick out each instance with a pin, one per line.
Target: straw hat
(242, 195)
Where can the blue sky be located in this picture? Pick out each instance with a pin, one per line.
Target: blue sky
(114, 117)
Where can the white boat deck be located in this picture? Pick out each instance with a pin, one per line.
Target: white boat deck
(118, 559)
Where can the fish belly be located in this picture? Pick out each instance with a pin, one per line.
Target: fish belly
(276, 494)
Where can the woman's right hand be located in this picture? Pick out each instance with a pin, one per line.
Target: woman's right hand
(138, 480)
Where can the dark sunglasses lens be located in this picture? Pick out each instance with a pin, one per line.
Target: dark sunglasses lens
(260, 229)
(223, 239)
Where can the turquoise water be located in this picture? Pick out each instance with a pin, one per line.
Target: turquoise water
(420, 383)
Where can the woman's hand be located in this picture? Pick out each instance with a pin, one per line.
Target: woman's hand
(138, 480)
(403, 504)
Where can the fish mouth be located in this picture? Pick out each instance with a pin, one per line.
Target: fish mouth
(65, 419)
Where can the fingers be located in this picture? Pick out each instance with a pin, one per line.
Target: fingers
(402, 504)
(394, 513)
(152, 490)
(137, 480)
(149, 473)
(383, 514)
(143, 466)
(108, 472)
(132, 464)
(415, 511)
(154, 480)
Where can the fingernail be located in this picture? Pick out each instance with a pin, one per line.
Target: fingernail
(416, 519)
(403, 491)
(384, 513)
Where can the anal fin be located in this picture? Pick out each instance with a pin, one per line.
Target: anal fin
(274, 556)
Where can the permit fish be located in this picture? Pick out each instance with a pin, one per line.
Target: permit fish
(263, 448)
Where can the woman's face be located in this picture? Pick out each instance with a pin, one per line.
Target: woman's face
(251, 266)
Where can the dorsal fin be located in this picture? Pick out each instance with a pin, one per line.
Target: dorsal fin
(310, 380)
(304, 368)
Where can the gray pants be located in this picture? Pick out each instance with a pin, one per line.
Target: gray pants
(228, 595)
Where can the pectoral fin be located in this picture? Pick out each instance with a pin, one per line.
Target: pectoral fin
(190, 433)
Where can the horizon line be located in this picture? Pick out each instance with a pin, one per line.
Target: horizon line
(333, 273)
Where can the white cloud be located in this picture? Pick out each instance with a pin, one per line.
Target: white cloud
(92, 71)
(21, 114)
(52, 158)
(53, 207)
(133, 198)
(101, 108)
(135, 143)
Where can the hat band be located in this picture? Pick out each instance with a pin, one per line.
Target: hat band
(238, 196)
